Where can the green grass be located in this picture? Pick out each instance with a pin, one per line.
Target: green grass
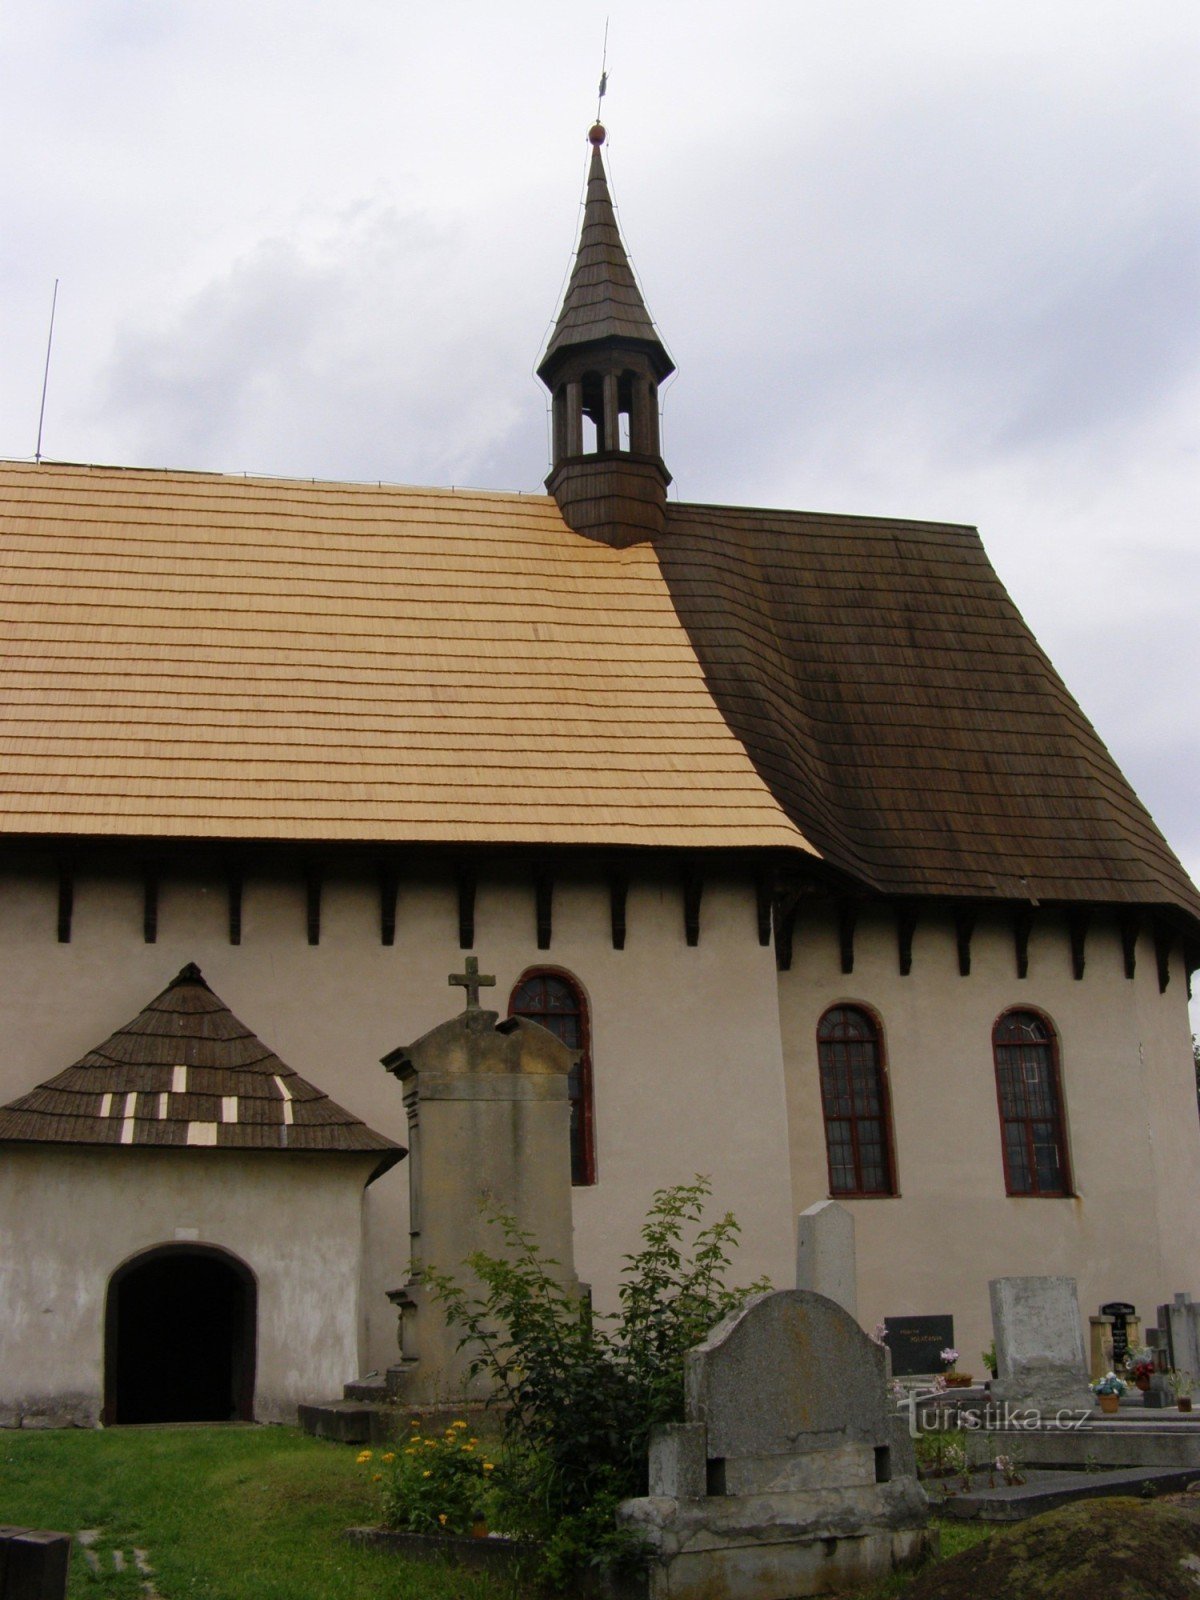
(222, 1514)
(238, 1514)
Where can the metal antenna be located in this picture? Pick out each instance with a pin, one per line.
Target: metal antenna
(603, 70)
(37, 456)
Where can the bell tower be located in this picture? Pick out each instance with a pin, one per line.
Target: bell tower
(603, 366)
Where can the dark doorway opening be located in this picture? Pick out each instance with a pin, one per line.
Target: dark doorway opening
(180, 1338)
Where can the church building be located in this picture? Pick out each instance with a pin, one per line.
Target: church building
(781, 820)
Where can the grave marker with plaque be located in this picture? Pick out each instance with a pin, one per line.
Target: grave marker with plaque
(917, 1343)
(1120, 1311)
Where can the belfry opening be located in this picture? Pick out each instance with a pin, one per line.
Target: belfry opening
(180, 1338)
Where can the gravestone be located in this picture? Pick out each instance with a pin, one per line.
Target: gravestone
(1179, 1328)
(1039, 1344)
(825, 1258)
(489, 1132)
(792, 1474)
(1121, 1314)
(916, 1344)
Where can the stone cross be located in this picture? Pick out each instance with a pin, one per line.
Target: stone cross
(472, 980)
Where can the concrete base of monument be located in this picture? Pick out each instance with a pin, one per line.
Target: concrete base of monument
(777, 1546)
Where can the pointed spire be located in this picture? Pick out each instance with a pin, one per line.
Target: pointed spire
(603, 366)
(603, 301)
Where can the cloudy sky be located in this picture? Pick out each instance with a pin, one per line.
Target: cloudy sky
(930, 258)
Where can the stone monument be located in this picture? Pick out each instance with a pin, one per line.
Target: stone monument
(1040, 1357)
(792, 1475)
(825, 1256)
(489, 1132)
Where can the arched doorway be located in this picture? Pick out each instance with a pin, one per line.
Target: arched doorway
(180, 1337)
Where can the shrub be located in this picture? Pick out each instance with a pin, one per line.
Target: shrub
(581, 1393)
(431, 1483)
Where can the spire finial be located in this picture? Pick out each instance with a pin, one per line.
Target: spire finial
(603, 87)
(596, 134)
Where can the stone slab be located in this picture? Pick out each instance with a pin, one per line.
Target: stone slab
(1046, 1490)
(1039, 1343)
(1114, 1442)
(495, 1554)
(348, 1422)
(825, 1257)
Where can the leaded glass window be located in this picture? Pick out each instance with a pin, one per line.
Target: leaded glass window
(854, 1097)
(1031, 1119)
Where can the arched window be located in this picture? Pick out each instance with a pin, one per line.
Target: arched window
(854, 1098)
(556, 1001)
(1031, 1119)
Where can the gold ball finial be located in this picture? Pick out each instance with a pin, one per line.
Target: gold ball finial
(596, 133)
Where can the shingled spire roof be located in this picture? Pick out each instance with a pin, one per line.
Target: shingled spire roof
(186, 1073)
(603, 302)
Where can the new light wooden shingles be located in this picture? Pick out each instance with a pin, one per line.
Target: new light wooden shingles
(202, 656)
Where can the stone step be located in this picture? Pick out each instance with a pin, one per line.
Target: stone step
(374, 1389)
(348, 1421)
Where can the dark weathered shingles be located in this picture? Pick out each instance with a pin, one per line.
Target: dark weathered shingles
(603, 300)
(125, 1091)
(892, 697)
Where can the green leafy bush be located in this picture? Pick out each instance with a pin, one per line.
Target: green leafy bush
(581, 1393)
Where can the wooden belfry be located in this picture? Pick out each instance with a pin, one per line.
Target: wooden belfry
(603, 364)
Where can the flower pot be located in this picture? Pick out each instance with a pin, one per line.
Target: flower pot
(1184, 1402)
(1109, 1402)
(958, 1380)
(1143, 1383)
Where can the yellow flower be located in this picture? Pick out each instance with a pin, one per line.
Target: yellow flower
(377, 1477)
(487, 1467)
(458, 1424)
(442, 1518)
(411, 1450)
(363, 1455)
(389, 1455)
(426, 1473)
(414, 1422)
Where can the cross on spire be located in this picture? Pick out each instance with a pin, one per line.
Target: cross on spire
(472, 980)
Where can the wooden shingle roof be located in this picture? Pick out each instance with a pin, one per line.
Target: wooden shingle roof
(186, 1074)
(894, 700)
(603, 301)
(195, 656)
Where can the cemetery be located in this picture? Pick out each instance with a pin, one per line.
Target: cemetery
(710, 1441)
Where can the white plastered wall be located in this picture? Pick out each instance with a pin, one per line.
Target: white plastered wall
(1132, 1229)
(70, 1217)
(686, 1049)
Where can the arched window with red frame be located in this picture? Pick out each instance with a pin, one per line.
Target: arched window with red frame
(1032, 1130)
(553, 998)
(854, 1100)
